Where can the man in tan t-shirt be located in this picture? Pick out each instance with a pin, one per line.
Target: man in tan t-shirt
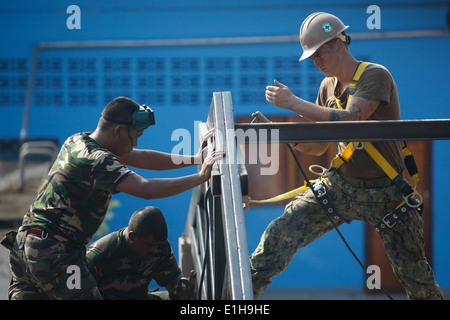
(376, 86)
(359, 189)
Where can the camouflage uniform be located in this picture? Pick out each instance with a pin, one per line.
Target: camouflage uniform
(69, 208)
(40, 269)
(119, 277)
(304, 221)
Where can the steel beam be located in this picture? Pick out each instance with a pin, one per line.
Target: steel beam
(238, 285)
(227, 273)
(235, 179)
(335, 131)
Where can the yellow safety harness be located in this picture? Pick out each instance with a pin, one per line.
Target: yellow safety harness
(412, 199)
(284, 196)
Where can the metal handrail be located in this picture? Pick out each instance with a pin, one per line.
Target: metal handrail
(46, 148)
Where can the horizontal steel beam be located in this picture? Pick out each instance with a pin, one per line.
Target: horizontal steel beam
(334, 131)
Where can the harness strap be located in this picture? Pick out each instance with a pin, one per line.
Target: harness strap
(389, 220)
(401, 183)
(285, 196)
(408, 191)
(373, 152)
(343, 157)
(410, 164)
(352, 85)
(324, 200)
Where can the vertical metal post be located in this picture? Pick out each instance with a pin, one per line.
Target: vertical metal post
(227, 273)
(29, 94)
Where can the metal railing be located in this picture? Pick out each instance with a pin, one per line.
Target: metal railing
(45, 148)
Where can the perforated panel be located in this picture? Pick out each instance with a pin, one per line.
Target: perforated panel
(92, 80)
(13, 81)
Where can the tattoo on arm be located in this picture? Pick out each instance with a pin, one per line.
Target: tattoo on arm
(334, 115)
(360, 109)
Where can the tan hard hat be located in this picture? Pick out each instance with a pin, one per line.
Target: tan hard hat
(318, 28)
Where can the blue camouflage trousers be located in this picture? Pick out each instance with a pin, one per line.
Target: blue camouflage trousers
(304, 220)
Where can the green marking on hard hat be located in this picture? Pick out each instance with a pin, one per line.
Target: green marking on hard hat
(326, 27)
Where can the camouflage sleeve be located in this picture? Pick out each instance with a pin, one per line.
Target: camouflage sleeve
(93, 254)
(97, 254)
(108, 172)
(168, 268)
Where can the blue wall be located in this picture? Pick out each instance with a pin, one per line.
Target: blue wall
(73, 86)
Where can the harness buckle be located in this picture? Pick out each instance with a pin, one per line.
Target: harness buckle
(320, 189)
(323, 170)
(351, 88)
(388, 222)
(361, 147)
(414, 204)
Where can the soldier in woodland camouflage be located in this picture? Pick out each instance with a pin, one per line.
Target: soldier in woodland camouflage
(73, 200)
(124, 262)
